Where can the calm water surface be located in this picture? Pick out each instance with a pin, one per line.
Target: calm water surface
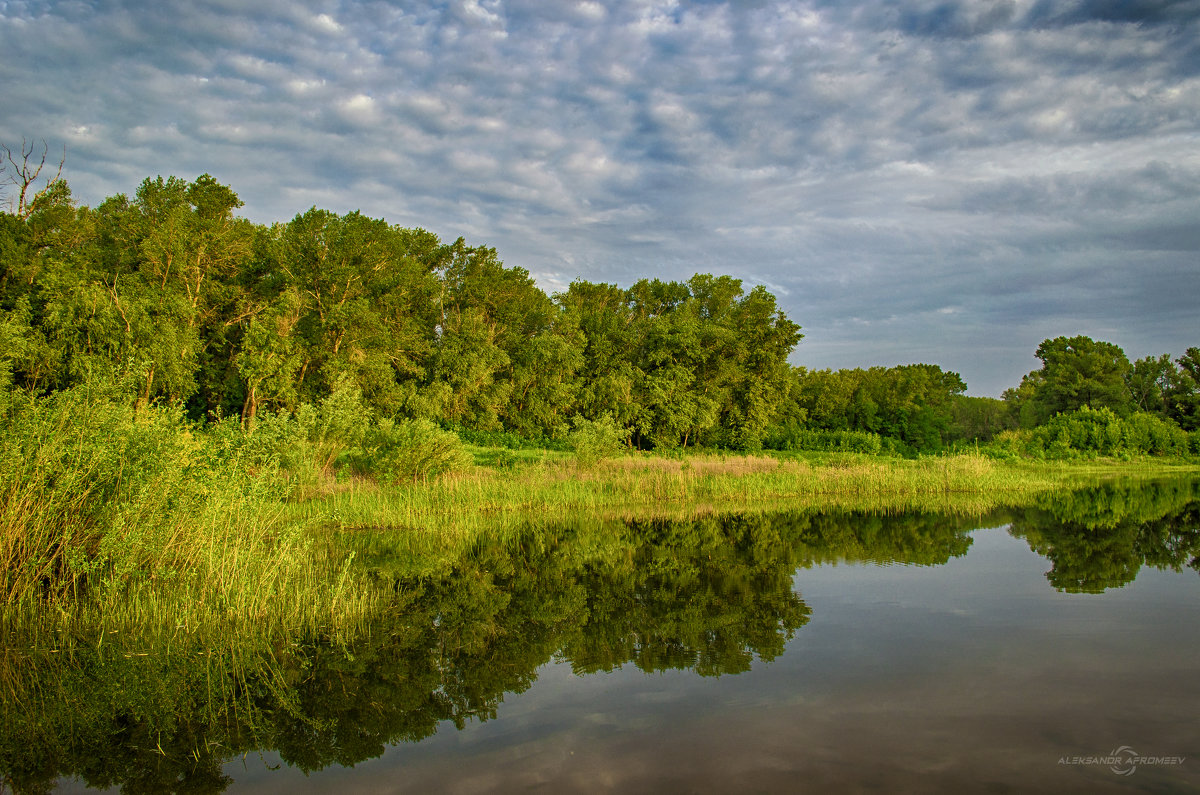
(1039, 649)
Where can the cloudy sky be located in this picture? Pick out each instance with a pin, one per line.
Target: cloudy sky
(945, 181)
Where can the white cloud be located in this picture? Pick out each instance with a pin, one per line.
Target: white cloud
(326, 24)
(878, 160)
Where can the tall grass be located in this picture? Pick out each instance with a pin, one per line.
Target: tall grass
(486, 501)
(133, 513)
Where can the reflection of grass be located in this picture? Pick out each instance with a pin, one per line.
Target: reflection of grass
(395, 610)
(152, 714)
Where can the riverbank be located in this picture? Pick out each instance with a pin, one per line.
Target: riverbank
(283, 560)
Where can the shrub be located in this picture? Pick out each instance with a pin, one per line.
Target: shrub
(792, 437)
(1088, 433)
(90, 486)
(507, 439)
(338, 424)
(597, 439)
(408, 450)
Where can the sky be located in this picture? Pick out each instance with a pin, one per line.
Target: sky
(941, 181)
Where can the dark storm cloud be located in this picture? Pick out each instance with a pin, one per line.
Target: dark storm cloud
(936, 181)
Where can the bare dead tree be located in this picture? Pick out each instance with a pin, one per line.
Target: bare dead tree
(20, 173)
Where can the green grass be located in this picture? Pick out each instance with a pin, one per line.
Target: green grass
(114, 518)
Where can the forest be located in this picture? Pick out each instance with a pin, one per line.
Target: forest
(168, 298)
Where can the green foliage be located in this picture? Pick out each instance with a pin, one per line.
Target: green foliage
(1076, 372)
(793, 437)
(1182, 392)
(914, 405)
(681, 364)
(594, 440)
(409, 450)
(338, 423)
(978, 418)
(99, 496)
(1091, 433)
(508, 439)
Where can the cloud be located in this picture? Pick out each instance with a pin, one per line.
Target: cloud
(1030, 163)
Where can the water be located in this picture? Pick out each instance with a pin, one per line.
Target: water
(1047, 649)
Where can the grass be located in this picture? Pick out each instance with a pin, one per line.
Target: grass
(110, 517)
(426, 522)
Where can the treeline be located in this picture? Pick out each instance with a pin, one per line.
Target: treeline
(183, 303)
(915, 407)
(1086, 400)
(179, 302)
(1079, 371)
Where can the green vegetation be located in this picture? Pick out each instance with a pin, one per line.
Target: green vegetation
(205, 422)
(1095, 433)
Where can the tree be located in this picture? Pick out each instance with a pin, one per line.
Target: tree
(1079, 371)
(21, 172)
(606, 374)
(1148, 381)
(912, 403)
(269, 357)
(1182, 394)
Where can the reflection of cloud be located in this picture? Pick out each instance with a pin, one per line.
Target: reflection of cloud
(875, 159)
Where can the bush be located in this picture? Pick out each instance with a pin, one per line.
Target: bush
(409, 450)
(337, 425)
(507, 439)
(597, 439)
(792, 437)
(1089, 433)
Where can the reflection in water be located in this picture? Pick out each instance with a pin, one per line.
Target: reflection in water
(708, 596)
(1100, 537)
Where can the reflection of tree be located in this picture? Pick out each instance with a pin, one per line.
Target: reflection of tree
(1100, 537)
(705, 595)
(118, 718)
(708, 595)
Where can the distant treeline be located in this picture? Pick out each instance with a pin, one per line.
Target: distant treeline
(171, 296)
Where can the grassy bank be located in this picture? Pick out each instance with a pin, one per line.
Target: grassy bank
(120, 517)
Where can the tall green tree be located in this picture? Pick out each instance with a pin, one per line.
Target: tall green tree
(1079, 371)
(1182, 394)
(1148, 381)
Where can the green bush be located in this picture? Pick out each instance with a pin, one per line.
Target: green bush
(276, 443)
(408, 450)
(791, 437)
(1090, 433)
(1010, 444)
(507, 439)
(593, 440)
(338, 424)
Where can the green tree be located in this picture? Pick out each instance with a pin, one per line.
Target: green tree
(1079, 371)
(605, 377)
(1148, 381)
(1182, 394)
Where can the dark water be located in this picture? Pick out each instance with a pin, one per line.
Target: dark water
(1053, 648)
